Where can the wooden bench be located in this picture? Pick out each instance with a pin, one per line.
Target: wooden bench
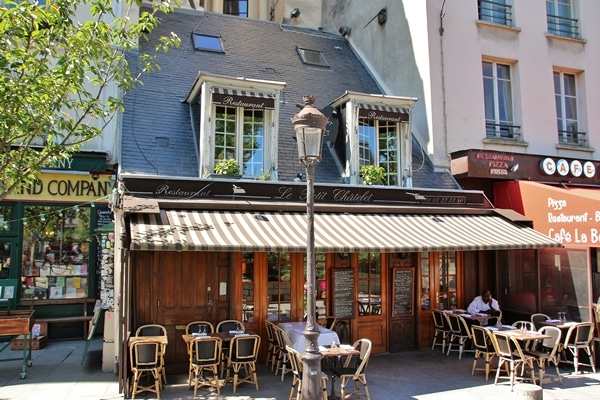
(84, 317)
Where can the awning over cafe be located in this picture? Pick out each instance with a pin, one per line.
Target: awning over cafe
(192, 230)
(567, 214)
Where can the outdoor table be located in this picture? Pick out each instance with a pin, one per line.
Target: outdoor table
(328, 352)
(295, 331)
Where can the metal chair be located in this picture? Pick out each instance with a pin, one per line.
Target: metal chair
(510, 354)
(580, 337)
(296, 362)
(538, 318)
(145, 361)
(442, 330)
(484, 347)
(206, 357)
(156, 330)
(460, 334)
(354, 369)
(547, 351)
(243, 353)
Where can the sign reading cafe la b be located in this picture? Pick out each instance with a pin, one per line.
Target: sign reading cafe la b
(565, 168)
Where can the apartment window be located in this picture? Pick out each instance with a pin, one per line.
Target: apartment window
(497, 89)
(236, 7)
(561, 21)
(565, 96)
(378, 144)
(497, 12)
(239, 134)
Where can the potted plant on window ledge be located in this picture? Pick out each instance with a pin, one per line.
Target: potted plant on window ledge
(227, 168)
(372, 174)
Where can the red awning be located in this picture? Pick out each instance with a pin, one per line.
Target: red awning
(568, 215)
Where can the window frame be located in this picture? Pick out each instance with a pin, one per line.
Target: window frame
(567, 104)
(239, 132)
(304, 52)
(196, 37)
(497, 12)
(377, 127)
(560, 18)
(502, 126)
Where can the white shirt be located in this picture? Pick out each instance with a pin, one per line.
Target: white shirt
(478, 305)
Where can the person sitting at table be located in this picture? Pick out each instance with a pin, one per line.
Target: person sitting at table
(485, 304)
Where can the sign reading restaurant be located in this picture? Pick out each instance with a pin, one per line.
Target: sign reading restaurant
(296, 192)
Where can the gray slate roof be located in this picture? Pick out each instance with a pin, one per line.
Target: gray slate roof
(157, 137)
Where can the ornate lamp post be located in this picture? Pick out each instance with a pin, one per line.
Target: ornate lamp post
(309, 125)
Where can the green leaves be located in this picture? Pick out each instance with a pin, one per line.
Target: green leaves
(63, 74)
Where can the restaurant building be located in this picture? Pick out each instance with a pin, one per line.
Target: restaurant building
(193, 245)
(561, 196)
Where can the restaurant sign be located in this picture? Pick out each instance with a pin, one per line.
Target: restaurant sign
(242, 189)
(568, 215)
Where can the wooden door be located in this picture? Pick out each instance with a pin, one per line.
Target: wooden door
(174, 288)
(440, 274)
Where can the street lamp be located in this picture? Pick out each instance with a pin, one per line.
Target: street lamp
(309, 125)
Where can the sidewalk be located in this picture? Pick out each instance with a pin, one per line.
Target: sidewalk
(56, 374)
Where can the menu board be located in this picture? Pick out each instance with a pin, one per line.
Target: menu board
(403, 291)
(343, 293)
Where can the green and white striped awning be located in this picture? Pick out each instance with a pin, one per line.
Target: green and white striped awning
(193, 230)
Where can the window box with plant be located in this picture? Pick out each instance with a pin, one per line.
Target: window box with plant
(372, 174)
(228, 166)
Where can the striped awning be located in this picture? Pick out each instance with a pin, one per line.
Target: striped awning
(243, 98)
(380, 112)
(192, 230)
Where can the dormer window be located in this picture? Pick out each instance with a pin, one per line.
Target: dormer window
(377, 133)
(238, 119)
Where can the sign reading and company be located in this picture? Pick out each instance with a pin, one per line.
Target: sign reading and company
(66, 187)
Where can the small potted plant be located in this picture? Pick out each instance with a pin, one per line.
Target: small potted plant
(372, 174)
(228, 166)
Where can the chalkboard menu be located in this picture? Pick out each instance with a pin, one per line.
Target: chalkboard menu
(343, 293)
(105, 216)
(403, 291)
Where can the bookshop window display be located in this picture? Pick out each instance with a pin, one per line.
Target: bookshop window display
(55, 252)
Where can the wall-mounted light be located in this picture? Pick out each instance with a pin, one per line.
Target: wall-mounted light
(345, 30)
(295, 13)
(382, 16)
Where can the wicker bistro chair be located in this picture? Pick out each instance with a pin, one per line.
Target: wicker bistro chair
(329, 322)
(145, 361)
(511, 356)
(484, 347)
(460, 334)
(442, 329)
(191, 328)
(283, 359)
(156, 330)
(547, 351)
(296, 362)
(580, 337)
(206, 357)
(243, 352)
(353, 369)
(526, 325)
(273, 348)
(538, 319)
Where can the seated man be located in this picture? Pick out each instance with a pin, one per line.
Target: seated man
(485, 304)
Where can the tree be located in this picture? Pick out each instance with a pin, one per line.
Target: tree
(63, 77)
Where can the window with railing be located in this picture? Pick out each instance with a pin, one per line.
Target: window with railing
(565, 96)
(498, 102)
(497, 12)
(561, 18)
